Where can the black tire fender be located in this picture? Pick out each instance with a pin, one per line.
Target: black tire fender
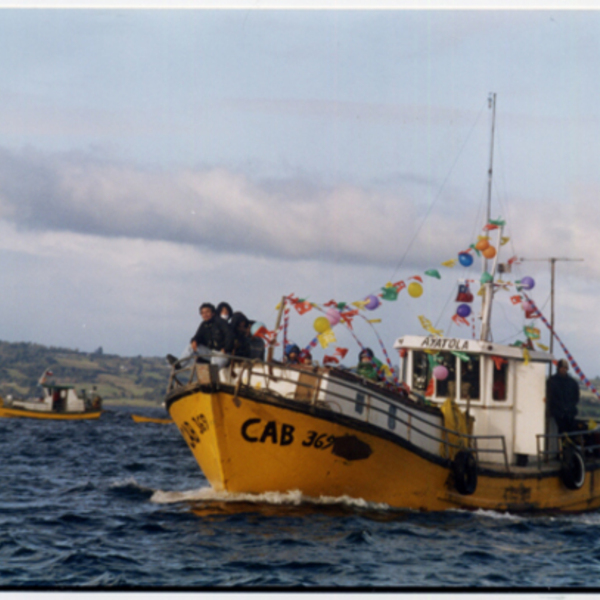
(464, 468)
(572, 469)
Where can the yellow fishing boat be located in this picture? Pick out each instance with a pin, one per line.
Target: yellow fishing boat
(464, 425)
(56, 402)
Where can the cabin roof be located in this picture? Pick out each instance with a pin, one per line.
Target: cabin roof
(58, 386)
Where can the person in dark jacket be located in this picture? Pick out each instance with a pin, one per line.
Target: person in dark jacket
(562, 395)
(240, 326)
(225, 311)
(214, 336)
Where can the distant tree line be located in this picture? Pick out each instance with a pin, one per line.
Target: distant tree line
(115, 377)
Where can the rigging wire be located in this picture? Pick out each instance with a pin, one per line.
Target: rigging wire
(438, 195)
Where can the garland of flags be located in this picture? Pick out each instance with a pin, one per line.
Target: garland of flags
(569, 356)
(344, 312)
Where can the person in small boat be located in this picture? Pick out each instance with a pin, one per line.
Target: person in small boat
(213, 338)
(225, 311)
(368, 366)
(562, 395)
(292, 354)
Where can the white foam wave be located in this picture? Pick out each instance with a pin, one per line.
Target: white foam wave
(290, 498)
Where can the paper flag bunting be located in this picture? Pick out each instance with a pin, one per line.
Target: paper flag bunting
(533, 333)
(498, 362)
(428, 326)
(330, 359)
(486, 278)
(389, 293)
(326, 338)
(302, 306)
(459, 320)
(360, 304)
(542, 346)
(526, 356)
(450, 263)
(399, 285)
(497, 222)
(516, 299)
(341, 352)
(373, 320)
(433, 273)
(417, 277)
(503, 241)
(462, 355)
(490, 227)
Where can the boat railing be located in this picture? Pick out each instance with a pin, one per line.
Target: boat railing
(551, 446)
(245, 374)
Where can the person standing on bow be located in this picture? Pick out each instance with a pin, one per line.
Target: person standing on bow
(214, 337)
(562, 395)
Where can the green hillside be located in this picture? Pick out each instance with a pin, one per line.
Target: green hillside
(119, 380)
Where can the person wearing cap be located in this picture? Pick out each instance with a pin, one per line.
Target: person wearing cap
(562, 396)
(368, 366)
(214, 336)
(292, 354)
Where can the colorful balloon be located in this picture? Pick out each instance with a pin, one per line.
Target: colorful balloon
(482, 244)
(465, 259)
(440, 372)
(489, 252)
(527, 283)
(333, 316)
(463, 310)
(373, 302)
(527, 307)
(415, 289)
(321, 324)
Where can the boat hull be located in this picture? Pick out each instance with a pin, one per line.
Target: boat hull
(7, 412)
(143, 419)
(264, 444)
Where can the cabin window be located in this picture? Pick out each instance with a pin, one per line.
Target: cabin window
(445, 388)
(421, 372)
(392, 417)
(500, 379)
(359, 406)
(469, 378)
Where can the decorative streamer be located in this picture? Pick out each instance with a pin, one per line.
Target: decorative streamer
(569, 356)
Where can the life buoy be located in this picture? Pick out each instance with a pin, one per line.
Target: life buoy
(572, 469)
(464, 468)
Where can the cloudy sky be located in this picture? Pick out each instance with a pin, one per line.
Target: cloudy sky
(151, 160)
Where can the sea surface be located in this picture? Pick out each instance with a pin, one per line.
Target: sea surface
(118, 505)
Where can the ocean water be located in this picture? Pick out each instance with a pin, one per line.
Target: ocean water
(118, 505)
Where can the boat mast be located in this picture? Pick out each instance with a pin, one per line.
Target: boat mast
(488, 290)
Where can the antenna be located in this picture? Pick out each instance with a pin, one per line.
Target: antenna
(553, 261)
(488, 292)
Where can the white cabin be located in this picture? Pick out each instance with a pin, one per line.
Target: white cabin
(503, 388)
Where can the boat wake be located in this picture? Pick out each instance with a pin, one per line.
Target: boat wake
(293, 498)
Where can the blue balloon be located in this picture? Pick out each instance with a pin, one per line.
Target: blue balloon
(465, 259)
(463, 310)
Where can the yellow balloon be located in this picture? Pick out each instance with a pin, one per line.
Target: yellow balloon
(321, 324)
(415, 289)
